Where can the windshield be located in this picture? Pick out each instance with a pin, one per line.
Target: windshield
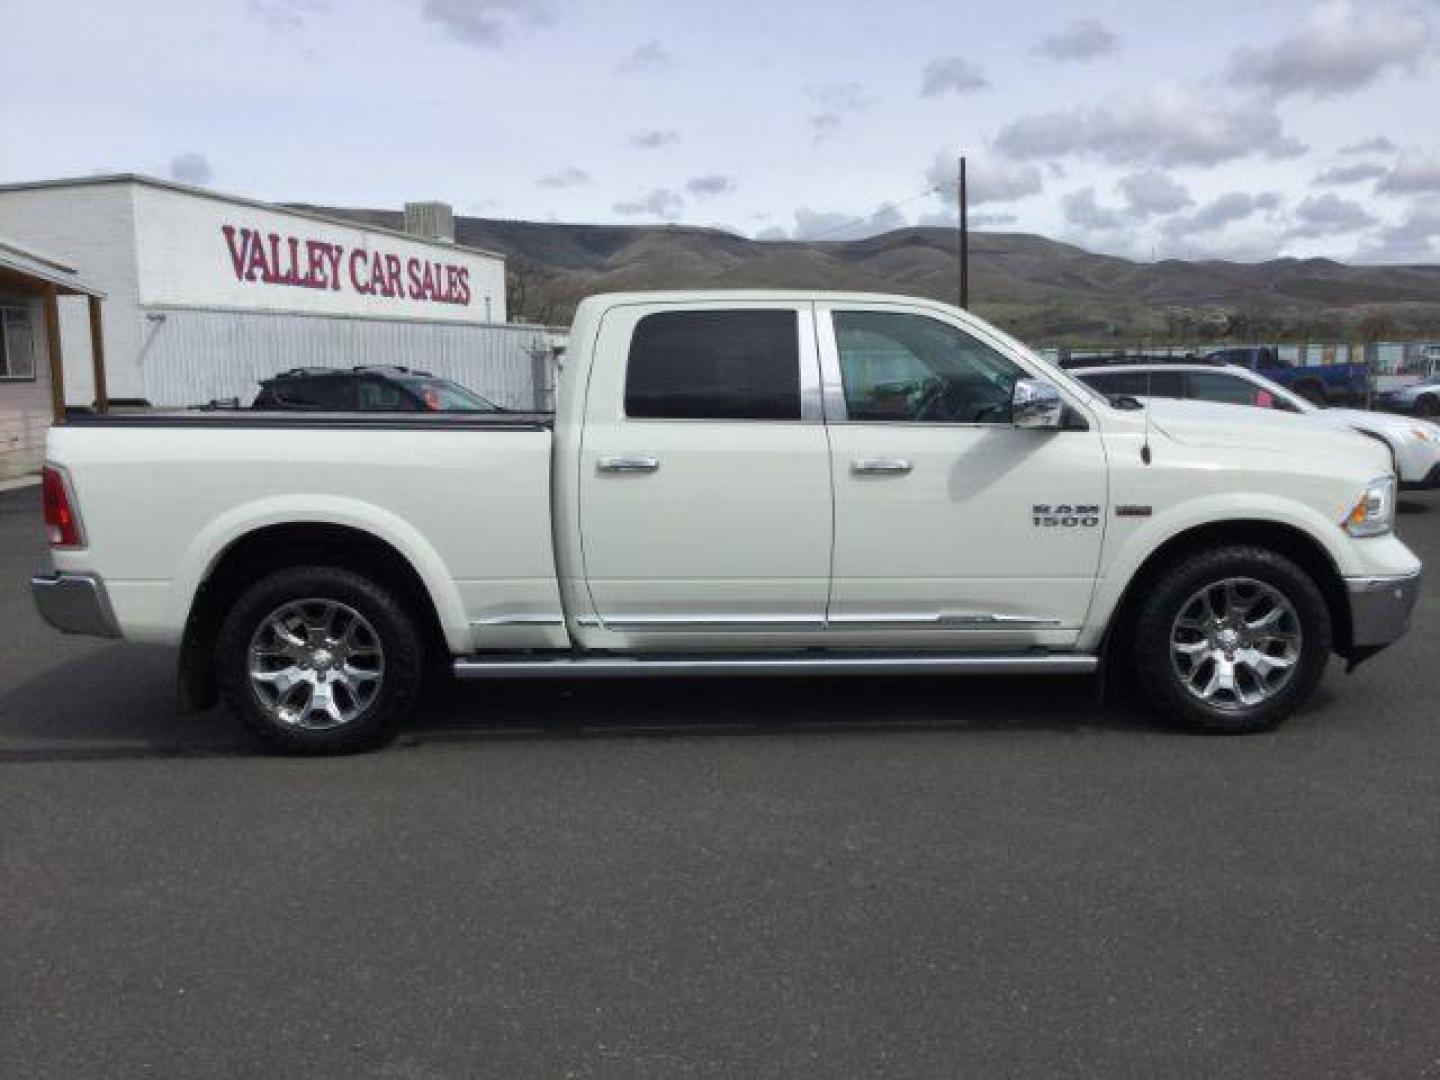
(442, 395)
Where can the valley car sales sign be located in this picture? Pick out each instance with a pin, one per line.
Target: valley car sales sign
(220, 253)
(308, 263)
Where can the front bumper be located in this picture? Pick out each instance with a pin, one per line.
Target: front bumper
(74, 604)
(1380, 609)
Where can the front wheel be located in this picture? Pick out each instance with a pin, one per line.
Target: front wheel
(1427, 405)
(1231, 640)
(319, 660)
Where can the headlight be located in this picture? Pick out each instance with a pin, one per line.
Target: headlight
(1426, 434)
(1374, 514)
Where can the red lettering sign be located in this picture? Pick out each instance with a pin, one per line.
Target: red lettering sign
(304, 263)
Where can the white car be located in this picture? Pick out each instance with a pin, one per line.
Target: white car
(1414, 444)
(734, 482)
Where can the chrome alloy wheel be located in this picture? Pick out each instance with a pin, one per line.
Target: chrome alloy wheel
(1235, 643)
(315, 664)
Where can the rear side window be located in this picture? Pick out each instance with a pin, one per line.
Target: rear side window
(714, 365)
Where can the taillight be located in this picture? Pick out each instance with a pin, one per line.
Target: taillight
(62, 522)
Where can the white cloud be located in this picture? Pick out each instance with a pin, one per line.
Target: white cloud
(1412, 240)
(192, 168)
(1084, 39)
(487, 23)
(570, 176)
(828, 225)
(654, 139)
(647, 57)
(1414, 172)
(951, 74)
(1355, 173)
(287, 14)
(1224, 210)
(658, 202)
(986, 180)
(1340, 47)
(1378, 145)
(710, 185)
(1329, 215)
(1082, 209)
(1153, 192)
(1169, 127)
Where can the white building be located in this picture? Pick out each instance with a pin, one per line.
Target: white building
(205, 293)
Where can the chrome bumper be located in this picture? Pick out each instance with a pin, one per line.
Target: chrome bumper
(74, 604)
(1380, 608)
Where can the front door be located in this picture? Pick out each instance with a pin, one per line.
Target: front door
(952, 526)
(705, 498)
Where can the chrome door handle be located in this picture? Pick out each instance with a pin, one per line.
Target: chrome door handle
(880, 465)
(628, 464)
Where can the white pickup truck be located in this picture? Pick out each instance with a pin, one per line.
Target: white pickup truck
(734, 483)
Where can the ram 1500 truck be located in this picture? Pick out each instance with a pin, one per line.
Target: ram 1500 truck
(734, 483)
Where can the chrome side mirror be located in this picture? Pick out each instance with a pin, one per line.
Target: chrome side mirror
(1036, 404)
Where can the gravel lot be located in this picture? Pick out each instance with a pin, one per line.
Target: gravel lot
(897, 878)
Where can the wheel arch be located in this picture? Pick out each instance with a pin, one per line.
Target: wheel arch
(274, 546)
(1295, 543)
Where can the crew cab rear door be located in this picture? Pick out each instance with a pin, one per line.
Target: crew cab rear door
(705, 496)
(953, 527)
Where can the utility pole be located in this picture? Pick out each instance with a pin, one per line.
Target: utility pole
(964, 238)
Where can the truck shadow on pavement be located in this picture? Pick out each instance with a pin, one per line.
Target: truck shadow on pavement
(117, 702)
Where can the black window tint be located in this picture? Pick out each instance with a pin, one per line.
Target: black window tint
(715, 365)
(323, 393)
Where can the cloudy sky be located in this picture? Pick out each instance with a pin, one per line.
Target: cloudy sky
(1152, 128)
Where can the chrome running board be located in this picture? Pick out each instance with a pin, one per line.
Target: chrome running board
(540, 667)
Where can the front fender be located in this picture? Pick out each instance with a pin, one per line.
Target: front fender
(1150, 534)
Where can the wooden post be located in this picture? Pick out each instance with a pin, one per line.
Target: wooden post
(52, 347)
(97, 356)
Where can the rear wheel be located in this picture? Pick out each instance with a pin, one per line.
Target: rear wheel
(320, 660)
(1232, 640)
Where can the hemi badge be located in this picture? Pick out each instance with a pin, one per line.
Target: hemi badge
(1132, 511)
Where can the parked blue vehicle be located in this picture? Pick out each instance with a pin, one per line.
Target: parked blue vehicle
(1320, 384)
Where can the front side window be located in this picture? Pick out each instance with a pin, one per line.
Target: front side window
(715, 365)
(898, 366)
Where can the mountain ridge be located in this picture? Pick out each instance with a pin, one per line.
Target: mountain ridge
(1044, 290)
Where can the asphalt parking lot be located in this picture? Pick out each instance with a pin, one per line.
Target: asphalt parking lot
(927, 878)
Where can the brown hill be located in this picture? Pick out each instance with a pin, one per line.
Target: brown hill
(1042, 289)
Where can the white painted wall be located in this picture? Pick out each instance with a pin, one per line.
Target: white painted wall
(186, 258)
(91, 229)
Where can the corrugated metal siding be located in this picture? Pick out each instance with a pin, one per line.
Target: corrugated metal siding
(192, 356)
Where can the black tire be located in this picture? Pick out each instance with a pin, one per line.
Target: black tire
(1175, 587)
(390, 622)
(1427, 405)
